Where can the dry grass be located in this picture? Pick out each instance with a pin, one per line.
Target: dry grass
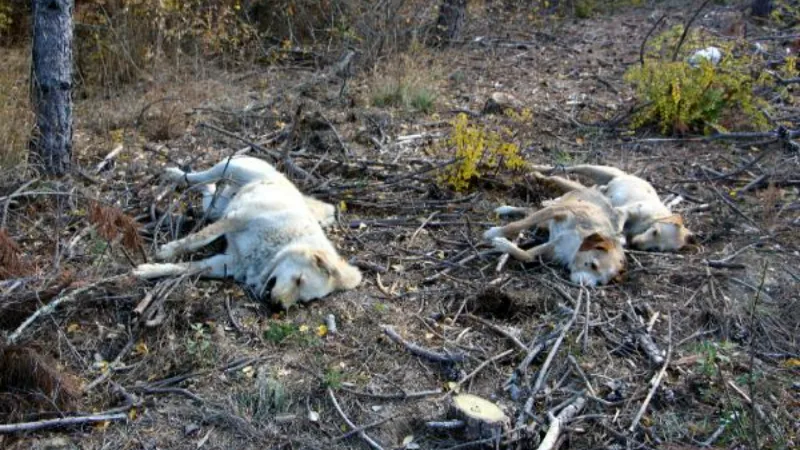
(16, 117)
(410, 81)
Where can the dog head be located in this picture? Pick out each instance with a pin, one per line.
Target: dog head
(305, 274)
(598, 260)
(668, 234)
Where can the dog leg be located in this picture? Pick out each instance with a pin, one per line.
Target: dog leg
(514, 228)
(562, 184)
(600, 174)
(506, 246)
(218, 266)
(214, 203)
(227, 168)
(200, 239)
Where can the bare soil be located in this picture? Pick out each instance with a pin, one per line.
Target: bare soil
(220, 371)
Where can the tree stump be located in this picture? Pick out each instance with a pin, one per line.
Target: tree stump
(483, 419)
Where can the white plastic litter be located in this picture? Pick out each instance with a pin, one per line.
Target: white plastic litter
(712, 54)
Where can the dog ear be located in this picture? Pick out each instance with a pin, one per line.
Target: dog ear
(323, 263)
(345, 276)
(595, 241)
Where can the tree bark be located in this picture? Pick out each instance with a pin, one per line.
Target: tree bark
(452, 15)
(51, 143)
(761, 8)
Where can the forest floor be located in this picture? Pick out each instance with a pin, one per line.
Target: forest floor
(214, 369)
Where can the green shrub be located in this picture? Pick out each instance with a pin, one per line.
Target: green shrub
(477, 150)
(680, 98)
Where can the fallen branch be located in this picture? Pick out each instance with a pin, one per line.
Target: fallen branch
(497, 329)
(656, 381)
(420, 351)
(483, 365)
(227, 133)
(547, 362)
(363, 428)
(372, 443)
(556, 422)
(399, 396)
(109, 157)
(50, 307)
(686, 29)
(61, 422)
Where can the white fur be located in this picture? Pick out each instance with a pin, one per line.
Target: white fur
(507, 210)
(238, 171)
(275, 242)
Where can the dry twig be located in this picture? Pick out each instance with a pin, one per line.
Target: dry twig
(420, 351)
(50, 307)
(61, 422)
(372, 443)
(655, 382)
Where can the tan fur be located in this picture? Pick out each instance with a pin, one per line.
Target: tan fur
(584, 236)
(649, 223)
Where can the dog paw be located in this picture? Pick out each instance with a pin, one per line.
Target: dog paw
(502, 244)
(145, 271)
(505, 210)
(167, 251)
(492, 233)
(175, 174)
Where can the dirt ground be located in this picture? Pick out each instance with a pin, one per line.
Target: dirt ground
(220, 370)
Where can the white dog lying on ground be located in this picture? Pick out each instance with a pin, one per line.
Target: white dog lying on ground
(237, 171)
(649, 223)
(276, 245)
(584, 233)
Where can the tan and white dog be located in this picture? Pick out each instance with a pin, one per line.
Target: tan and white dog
(276, 245)
(584, 234)
(649, 223)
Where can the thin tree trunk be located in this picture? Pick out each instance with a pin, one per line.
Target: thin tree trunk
(452, 15)
(51, 144)
(761, 8)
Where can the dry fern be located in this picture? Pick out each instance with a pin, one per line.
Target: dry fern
(111, 222)
(28, 378)
(11, 264)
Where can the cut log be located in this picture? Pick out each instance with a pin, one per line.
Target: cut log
(483, 419)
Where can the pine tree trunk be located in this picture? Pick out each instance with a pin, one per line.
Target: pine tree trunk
(452, 15)
(761, 8)
(51, 144)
